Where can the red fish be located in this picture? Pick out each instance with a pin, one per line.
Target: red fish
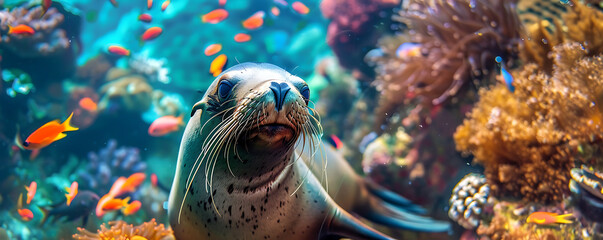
(164, 5)
(88, 104)
(300, 8)
(335, 141)
(215, 16)
(151, 33)
(242, 37)
(145, 17)
(154, 181)
(213, 49)
(275, 11)
(71, 192)
(255, 21)
(119, 50)
(31, 191)
(164, 125)
(222, 2)
(131, 208)
(217, 65)
(546, 218)
(26, 214)
(132, 182)
(21, 29)
(45, 6)
(149, 4)
(48, 133)
(114, 3)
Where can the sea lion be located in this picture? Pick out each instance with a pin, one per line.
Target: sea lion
(247, 136)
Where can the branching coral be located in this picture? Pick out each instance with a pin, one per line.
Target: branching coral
(459, 41)
(120, 230)
(528, 140)
(585, 25)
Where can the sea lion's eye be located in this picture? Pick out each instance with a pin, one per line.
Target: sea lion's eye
(305, 92)
(224, 88)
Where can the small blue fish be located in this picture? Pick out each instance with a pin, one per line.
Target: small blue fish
(507, 77)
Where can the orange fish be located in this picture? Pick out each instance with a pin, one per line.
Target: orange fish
(115, 204)
(242, 37)
(131, 208)
(47, 134)
(71, 192)
(31, 191)
(101, 204)
(217, 65)
(164, 5)
(21, 29)
(116, 188)
(222, 2)
(151, 33)
(45, 6)
(145, 17)
(275, 11)
(154, 181)
(255, 21)
(149, 4)
(213, 49)
(25, 214)
(300, 8)
(132, 182)
(114, 3)
(164, 125)
(215, 16)
(88, 104)
(546, 218)
(118, 50)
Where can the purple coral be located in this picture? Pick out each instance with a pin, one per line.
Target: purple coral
(110, 163)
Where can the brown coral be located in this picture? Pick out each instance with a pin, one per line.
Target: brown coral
(585, 25)
(459, 42)
(120, 230)
(528, 140)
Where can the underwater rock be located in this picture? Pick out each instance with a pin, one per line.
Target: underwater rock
(128, 92)
(455, 44)
(528, 140)
(355, 28)
(120, 230)
(108, 164)
(94, 70)
(469, 201)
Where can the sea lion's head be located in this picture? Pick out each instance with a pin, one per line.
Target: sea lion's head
(256, 111)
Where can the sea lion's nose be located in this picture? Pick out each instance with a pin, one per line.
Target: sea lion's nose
(280, 90)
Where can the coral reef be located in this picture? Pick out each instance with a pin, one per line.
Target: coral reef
(120, 230)
(165, 104)
(469, 203)
(124, 90)
(584, 25)
(152, 69)
(355, 28)
(108, 164)
(458, 42)
(152, 202)
(82, 118)
(528, 140)
(94, 70)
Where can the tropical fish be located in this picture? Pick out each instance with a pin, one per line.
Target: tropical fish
(21, 29)
(222, 2)
(408, 49)
(145, 17)
(151, 33)
(115, 204)
(47, 134)
(214, 16)
(71, 192)
(131, 208)
(100, 211)
(164, 125)
(300, 8)
(26, 214)
(213, 49)
(242, 37)
(154, 180)
(505, 76)
(114, 3)
(118, 50)
(81, 206)
(546, 218)
(335, 141)
(217, 65)
(164, 5)
(275, 11)
(88, 104)
(45, 6)
(149, 4)
(31, 191)
(255, 21)
(132, 182)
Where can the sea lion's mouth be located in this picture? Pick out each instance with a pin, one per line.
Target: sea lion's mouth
(273, 133)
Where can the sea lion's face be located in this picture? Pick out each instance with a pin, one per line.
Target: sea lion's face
(260, 109)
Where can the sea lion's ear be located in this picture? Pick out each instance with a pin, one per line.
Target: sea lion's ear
(198, 106)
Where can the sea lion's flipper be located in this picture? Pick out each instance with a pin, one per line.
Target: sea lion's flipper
(390, 215)
(345, 225)
(392, 198)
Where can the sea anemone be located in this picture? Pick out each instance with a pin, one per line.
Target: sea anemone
(120, 230)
